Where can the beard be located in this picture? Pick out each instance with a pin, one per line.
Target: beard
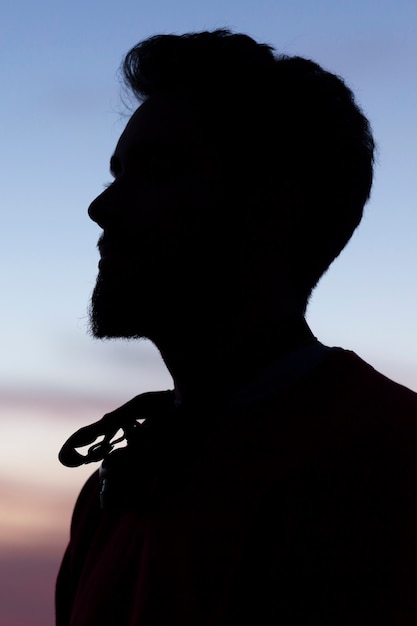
(110, 311)
(148, 297)
(121, 310)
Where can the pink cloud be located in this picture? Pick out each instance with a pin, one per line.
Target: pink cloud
(27, 585)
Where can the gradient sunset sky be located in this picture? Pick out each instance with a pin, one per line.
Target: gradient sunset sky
(61, 115)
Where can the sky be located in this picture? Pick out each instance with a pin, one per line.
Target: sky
(61, 115)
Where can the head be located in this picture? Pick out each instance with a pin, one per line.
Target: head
(261, 150)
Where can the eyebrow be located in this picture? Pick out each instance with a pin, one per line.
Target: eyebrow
(140, 152)
(150, 150)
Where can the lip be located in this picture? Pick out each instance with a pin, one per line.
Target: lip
(110, 256)
(106, 250)
(113, 260)
(108, 246)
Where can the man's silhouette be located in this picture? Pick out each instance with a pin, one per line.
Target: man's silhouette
(276, 483)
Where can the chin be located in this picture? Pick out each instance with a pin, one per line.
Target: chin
(115, 311)
(105, 326)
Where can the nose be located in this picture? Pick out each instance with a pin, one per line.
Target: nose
(98, 210)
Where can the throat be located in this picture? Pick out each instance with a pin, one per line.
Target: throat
(215, 367)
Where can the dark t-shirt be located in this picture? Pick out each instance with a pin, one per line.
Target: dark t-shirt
(298, 509)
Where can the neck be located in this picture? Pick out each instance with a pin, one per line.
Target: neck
(219, 366)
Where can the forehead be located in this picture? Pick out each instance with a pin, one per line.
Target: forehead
(163, 119)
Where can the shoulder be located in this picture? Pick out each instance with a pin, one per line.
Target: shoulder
(361, 416)
(343, 379)
(361, 387)
(341, 407)
(351, 363)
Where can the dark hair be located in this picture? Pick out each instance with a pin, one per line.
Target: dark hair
(300, 125)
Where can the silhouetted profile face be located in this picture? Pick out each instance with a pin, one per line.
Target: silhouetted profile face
(159, 255)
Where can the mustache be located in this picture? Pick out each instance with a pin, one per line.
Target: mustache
(105, 244)
(126, 243)
(113, 244)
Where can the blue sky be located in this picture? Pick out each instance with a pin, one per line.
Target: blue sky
(61, 114)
